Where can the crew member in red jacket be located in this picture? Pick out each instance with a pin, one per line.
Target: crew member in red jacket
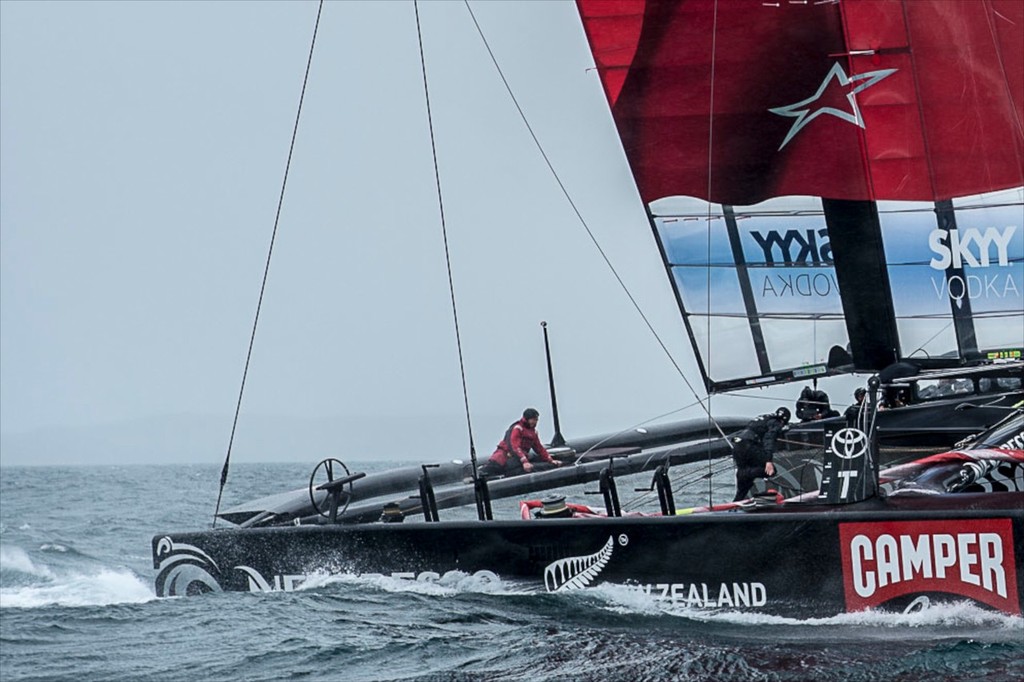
(520, 450)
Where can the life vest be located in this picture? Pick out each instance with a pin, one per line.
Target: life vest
(506, 442)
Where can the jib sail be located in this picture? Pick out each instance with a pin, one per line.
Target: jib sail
(834, 185)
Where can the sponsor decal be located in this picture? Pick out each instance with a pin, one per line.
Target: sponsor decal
(810, 371)
(577, 572)
(849, 443)
(969, 558)
(288, 583)
(184, 569)
(806, 285)
(794, 247)
(843, 475)
(977, 249)
(976, 286)
(970, 247)
(807, 250)
(1014, 443)
(703, 595)
(281, 583)
(811, 108)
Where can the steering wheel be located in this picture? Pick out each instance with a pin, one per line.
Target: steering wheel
(331, 469)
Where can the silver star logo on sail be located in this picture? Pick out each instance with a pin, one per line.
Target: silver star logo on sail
(806, 110)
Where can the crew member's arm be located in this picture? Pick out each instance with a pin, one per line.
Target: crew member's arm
(544, 454)
(542, 451)
(768, 443)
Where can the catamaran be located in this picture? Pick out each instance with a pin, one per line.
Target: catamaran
(834, 187)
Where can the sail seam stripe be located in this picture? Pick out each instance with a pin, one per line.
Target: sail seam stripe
(916, 79)
(996, 45)
(266, 267)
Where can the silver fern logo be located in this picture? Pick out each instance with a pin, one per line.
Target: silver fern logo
(577, 572)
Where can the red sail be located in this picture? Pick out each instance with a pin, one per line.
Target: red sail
(737, 101)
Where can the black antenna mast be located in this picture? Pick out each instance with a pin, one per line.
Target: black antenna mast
(557, 440)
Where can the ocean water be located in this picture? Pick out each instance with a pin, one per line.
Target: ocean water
(77, 603)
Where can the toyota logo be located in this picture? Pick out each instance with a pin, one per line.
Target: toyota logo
(849, 443)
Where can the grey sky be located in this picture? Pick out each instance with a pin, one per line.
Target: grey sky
(141, 152)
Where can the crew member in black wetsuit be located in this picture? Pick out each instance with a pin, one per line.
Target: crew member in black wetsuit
(754, 448)
(854, 410)
(814, 405)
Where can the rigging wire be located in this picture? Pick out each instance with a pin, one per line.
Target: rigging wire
(583, 222)
(711, 138)
(444, 234)
(634, 427)
(266, 268)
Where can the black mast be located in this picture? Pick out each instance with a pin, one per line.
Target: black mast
(557, 440)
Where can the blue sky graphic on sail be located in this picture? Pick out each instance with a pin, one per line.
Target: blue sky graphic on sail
(759, 288)
(769, 264)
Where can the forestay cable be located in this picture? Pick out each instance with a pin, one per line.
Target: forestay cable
(444, 233)
(266, 268)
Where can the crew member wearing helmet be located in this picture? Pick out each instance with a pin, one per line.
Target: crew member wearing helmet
(520, 450)
(754, 448)
(854, 410)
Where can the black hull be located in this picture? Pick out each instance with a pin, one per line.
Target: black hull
(811, 562)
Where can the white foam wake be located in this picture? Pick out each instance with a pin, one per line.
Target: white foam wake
(48, 586)
(450, 584)
(625, 599)
(108, 586)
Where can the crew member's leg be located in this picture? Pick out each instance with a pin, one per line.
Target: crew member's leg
(743, 485)
(490, 468)
(513, 467)
(741, 458)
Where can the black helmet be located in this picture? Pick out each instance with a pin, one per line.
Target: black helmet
(783, 414)
(530, 413)
(859, 393)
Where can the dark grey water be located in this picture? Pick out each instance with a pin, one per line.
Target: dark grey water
(77, 603)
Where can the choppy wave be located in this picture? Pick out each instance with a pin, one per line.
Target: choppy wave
(106, 588)
(53, 547)
(14, 560)
(25, 583)
(78, 602)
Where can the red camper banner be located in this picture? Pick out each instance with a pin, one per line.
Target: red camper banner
(886, 560)
(737, 101)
